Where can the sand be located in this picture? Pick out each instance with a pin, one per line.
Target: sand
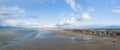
(43, 44)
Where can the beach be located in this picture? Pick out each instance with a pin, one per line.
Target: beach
(63, 40)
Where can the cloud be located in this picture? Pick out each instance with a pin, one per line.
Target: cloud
(11, 10)
(49, 26)
(77, 8)
(70, 21)
(85, 16)
(71, 3)
(8, 14)
(116, 11)
(20, 23)
(74, 6)
(73, 20)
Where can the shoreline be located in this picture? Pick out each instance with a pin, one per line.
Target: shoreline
(38, 44)
(69, 33)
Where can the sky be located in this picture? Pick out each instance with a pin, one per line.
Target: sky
(57, 13)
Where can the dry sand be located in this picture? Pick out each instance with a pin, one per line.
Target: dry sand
(43, 44)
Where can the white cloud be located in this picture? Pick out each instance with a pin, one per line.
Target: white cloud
(49, 26)
(20, 23)
(7, 15)
(6, 12)
(9, 22)
(11, 10)
(77, 8)
(116, 11)
(73, 20)
(70, 21)
(74, 6)
(86, 16)
(71, 3)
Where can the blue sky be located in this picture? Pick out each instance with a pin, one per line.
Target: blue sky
(49, 13)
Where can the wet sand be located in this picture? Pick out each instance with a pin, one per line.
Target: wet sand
(53, 42)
